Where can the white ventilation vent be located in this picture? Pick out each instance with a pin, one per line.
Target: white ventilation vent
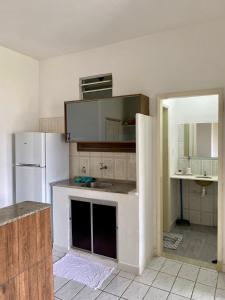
(96, 87)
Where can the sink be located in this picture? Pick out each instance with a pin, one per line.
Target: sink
(202, 176)
(99, 185)
(203, 182)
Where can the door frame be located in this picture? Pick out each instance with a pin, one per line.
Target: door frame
(159, 170)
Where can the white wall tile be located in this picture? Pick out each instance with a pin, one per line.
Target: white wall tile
(180, 149)
(207, 167)
(215, 219)
(84, 166)
(74, 166)
(131, 169)
(73, 149)
(95, 164)
(120, 168)
(109, 172)
(206, 219)
(180, 133)
(215, 167)
(182, 164)
(207, 203)
(196, 166)
(195, 202)
(84, 154)
(195, 217)
(96, 154)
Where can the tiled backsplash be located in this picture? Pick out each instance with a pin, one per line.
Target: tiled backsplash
(199, 166)
(119, 165)
(197, 209)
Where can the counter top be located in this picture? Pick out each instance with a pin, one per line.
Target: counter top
(194, 177)
(17, 211)
(115, 186)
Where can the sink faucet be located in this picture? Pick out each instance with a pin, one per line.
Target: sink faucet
(103, 167)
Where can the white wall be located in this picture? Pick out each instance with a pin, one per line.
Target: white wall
(19, 84)
(201, 109)
(183, 59)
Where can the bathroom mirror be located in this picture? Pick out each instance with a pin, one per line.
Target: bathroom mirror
(198, 140)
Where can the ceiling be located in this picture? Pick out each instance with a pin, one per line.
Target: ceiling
(46, 28)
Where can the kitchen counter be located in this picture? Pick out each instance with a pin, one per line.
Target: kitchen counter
(114, 186)
(17, 211)
(26, 252)
(195, 177)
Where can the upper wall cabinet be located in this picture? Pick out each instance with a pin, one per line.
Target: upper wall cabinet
(104, 124)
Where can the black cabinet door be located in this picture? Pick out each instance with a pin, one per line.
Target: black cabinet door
(81, 224)
(104, 230)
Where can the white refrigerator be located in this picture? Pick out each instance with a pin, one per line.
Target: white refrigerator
(40, 159)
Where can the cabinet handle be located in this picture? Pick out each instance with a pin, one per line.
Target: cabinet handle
(68, 136)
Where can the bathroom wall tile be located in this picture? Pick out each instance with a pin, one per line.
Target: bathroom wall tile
(196, 166)
(131, 169)
(186, 186)
(195, 217)
(207, 203)
(109, 172)
(206, 219)
(182, 164)
(215, 189)
(215, 219)
(214, 167)
(180, 149)
(215, 204)
(186, 214)
(186, 200)
(180, 133)
(210, 189)
(120, 168)
(84, 166)
(95, 163)
(207, 167)
(74, 166)
(194, 187)
(195, 202)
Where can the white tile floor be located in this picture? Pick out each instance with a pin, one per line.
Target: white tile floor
(163, 279)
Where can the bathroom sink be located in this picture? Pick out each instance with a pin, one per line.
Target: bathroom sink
(203, 182)
(202, 176)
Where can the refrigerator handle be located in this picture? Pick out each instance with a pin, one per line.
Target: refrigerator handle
(28, 165)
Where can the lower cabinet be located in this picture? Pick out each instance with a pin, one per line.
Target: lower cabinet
(81, 224)
(94, 227)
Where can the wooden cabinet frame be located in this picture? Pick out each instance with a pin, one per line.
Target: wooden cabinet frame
(109, 146)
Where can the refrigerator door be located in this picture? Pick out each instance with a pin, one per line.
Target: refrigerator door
(30, 184)
(30, 148)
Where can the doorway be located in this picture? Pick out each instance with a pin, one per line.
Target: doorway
(190, 189)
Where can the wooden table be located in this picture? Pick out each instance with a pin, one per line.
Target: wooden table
(26, 252)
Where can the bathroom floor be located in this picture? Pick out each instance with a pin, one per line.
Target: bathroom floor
(199, 242)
